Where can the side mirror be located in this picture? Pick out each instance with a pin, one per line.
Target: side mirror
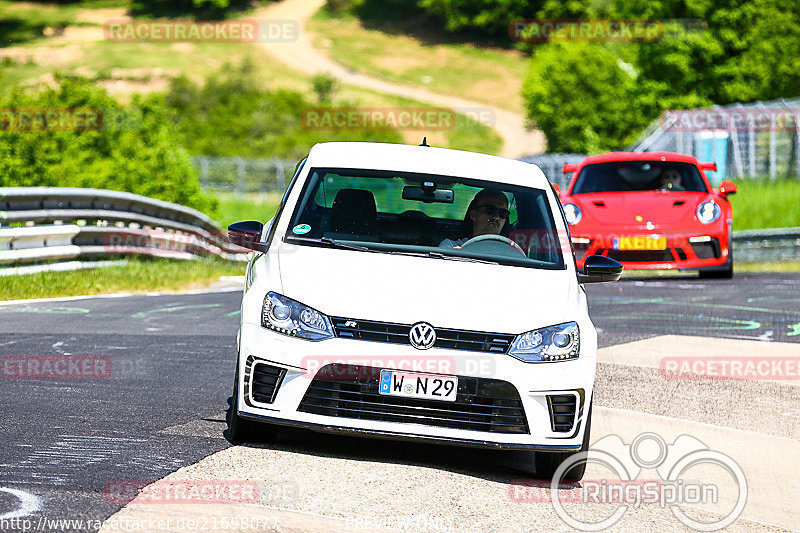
(727, 187)
(709, 166)
(247, 234)
(598, 268)
(569, 168)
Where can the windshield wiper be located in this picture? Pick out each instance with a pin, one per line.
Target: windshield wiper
(347, 246)
(332, 242)
(439, 255)
(434, 255)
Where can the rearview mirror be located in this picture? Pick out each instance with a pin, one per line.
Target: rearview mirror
(247, 234)
(428, 194)
(599, 268)
(727, 187)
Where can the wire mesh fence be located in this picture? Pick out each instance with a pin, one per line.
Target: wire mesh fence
(551, 165)
(243, 175)
(746, 141)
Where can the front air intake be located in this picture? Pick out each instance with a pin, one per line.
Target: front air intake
(562, 412)
(262, 380)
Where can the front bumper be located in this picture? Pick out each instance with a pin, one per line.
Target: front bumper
(707, 250)
(299, 361)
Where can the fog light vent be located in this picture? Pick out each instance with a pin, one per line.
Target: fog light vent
(262, 380)
(562, 412)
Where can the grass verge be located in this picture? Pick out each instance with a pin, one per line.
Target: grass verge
(237, 207)
(401, 54)
(138, 275)
(761, 204)
(738, 268)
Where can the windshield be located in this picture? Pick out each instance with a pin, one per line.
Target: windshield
(629, 176)
(436, 216)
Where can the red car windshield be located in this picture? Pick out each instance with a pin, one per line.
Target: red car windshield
(634, 176)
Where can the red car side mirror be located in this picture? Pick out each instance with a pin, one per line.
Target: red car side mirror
(709, 166)
(569, 168)
(727, 188)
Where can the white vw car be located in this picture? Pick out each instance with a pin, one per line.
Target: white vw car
(418, 293)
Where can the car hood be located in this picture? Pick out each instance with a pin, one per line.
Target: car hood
(444, 293)
(657, 207)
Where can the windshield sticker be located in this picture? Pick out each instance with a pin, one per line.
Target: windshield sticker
(300, 229)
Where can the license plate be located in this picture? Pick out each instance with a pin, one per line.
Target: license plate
(639, 243)
(430, 387)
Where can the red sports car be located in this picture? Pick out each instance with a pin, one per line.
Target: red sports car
(650, 210)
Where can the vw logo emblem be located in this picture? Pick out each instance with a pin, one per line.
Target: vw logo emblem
(422, 335)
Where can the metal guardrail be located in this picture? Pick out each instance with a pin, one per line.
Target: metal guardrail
(776, 244)
(40, 224)
(70, 223)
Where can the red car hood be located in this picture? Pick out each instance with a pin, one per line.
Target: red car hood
(656, 207)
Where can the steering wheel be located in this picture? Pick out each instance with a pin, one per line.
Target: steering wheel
(491, 237)
(669, 187)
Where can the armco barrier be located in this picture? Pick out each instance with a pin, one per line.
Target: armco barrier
(776, 244)
(70, 223)
(49, 224)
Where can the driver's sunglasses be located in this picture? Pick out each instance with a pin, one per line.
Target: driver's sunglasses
(491, 210)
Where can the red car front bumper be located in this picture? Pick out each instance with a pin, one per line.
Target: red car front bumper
(706, 250)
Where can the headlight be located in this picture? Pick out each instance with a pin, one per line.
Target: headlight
(289, 317)
(553, 343)
(573, 214)
(708, 212)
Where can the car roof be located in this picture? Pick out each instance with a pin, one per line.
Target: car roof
(639, 156)
(426, 160)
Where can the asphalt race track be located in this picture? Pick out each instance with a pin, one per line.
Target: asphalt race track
(160, 404)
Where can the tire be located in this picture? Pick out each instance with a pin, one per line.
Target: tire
(548, 462)
(242, 430)
(725, 272)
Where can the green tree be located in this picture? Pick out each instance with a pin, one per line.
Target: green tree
(231, 115)
(134, 150)
(582, 96)
(199, 9)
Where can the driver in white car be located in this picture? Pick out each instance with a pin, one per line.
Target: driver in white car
(487, 214)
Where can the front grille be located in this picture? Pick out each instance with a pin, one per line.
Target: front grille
(456, 339)
(706, 250)
(266, 380)
(642, 256)
(562, 412)
(481, 404)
